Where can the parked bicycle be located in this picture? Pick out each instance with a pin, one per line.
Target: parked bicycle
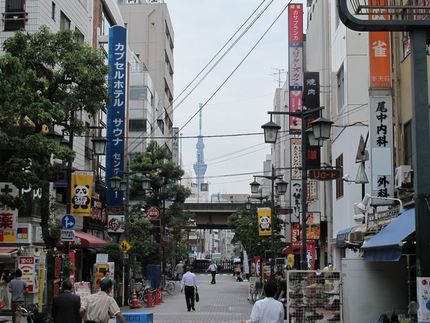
(141, 288)
(169, 286)
(32, 315)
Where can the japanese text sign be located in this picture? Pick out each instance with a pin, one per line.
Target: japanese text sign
(379, 50)
(381, 145)
(116, 111)
(295, 63)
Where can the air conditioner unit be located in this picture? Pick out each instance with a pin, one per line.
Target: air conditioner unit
(403, 176)
(355, 238)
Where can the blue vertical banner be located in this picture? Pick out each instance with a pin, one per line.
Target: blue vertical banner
(115, 155)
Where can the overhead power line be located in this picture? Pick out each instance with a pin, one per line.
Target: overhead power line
(237, 67)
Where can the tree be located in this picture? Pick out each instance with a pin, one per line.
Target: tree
(245, 226)
(165, 191)
(46, 79)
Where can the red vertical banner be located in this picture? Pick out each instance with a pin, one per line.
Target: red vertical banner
(257, 266)
(295, 235)
(295, 62)
(295, 23)
(310, 254)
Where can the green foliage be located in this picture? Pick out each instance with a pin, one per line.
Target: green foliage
(164, 176)
(245, 226)
(45, 80)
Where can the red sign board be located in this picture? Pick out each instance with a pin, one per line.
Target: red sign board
(325, 174)
(153, 213)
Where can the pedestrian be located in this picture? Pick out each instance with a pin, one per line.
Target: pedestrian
(4, 292)
(179, 269)
(268, 309)
(281, 283)
(66, 307)
(99, 307)
(189, 283)
(18, 288)
(212, 268)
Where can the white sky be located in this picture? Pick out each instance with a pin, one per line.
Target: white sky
(201, 28)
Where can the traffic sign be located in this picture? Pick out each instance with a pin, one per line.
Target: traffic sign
(67, 235)
(153, 213)
(325, 174)
(68, 221)
(125, 246)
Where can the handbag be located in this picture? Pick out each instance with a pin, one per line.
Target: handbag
(197, 296)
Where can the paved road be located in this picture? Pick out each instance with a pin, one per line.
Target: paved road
(224, 302)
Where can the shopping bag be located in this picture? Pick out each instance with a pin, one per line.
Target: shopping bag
(197, 297)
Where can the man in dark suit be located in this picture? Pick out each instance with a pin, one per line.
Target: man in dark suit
(66, 306)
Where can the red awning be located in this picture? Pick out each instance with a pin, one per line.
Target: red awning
(7, 252)
(86, 240)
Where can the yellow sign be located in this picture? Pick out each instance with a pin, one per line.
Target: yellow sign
(81, 192)
(264, 221)
(290, 258)
(125, 246)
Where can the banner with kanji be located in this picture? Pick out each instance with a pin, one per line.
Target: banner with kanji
(81, 192)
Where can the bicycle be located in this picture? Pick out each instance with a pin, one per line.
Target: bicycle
(141, 289)
(169, 286)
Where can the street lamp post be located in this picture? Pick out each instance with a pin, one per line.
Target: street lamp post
(281, 189)
(321, 131)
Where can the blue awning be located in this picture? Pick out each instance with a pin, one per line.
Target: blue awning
(387, 244)
(342, 236)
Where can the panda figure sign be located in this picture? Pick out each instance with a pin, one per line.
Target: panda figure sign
(264, 221)
(80, 197)
(81, 193)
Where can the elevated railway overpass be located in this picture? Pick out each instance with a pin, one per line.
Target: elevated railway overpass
(212, 215)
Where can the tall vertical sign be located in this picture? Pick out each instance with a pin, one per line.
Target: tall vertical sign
(381, 145)
(115, 158)
(295, 62)
(379, 50)
(380, 106)
(311, 100)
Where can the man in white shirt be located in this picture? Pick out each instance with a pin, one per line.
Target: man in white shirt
(268, 309)
(189, 283)
(212, 268)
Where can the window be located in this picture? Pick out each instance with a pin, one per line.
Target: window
(137, 125)
(15, 15)
(339, 181)
(64, 22)
(53, 9)
(407, 135)
(137, 92)
(340, 88)
(79, 35)
(160, 124)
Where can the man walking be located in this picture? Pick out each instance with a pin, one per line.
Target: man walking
(267, 310)
(99, 307)
(179, 270)
(17, 287)
(67, 306)
(189, 283)
(212, 268)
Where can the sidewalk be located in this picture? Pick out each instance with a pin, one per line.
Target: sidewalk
(226, 302)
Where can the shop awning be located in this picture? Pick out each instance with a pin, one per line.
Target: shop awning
(387, 244)
(86, 240)
(7, 252)
(342, 236)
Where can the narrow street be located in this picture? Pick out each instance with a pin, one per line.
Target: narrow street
(226, 302)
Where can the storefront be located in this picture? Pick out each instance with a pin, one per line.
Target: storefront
(379, 277)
